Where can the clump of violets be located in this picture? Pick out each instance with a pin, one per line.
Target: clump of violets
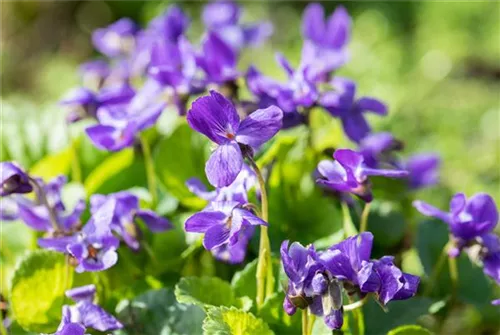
(471, 223)
(319, 280)
(349, 174)
(83, 315)
(216, 117)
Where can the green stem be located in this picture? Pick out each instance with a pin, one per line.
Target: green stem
(76, 171)
(264, 267)
(349, 228)
(355, 307)
(452, 263)
(150, 170)
(311, 320)
(305, 325)
(364, 218)
(436, 270)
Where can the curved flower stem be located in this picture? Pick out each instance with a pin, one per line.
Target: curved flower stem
(305, 325)
(150, 170)
(42, 198)
(436, 270)
(311, 320)
(357, 314)
(452, 263)
(364, 218)
(349, 228)
(265, 277)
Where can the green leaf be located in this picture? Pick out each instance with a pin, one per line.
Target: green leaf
(387, 223)
(409, 330)
(178, 157)
(157, 312)
(53, 165)
(232, 321)
(203, 291)
(273, 313)
(37, 290)
(400, 313)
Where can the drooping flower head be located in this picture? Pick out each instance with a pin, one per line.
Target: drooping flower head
(126, 214)
(471, 223)
(85, 314)
(216, 117)
(317, 279)
(222, 223)
(349, 174)
(222, 18)
(14, 179)
(117, 39)
(342, 103)
(94, 247)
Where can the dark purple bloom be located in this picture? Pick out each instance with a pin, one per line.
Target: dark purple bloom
(117, 39)
(222, 223)
(423, 170)
(218, 60)
(84, 103)
(36, 215)
(216, 118)
(119, 125)
(343, 104)
(85, 314)
(125, 215)
(349, 174)
(237, 191)
(222, 18)
(94, 247)
(468, 218)
(378, 148)
(325, 41)
(14, 179)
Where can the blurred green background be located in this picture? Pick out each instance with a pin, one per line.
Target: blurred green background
(436, 64)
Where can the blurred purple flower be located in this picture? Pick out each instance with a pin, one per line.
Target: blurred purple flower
(85, 314)
(222, 223)
(222, 18)
(217, 60)
(94, 73)
(125, 215)
(342, 103)
(349, 174)
(378, 149)
(14, 180)
(119, 125)
(215, 117)
(117, 39)
(423, 170)
(94, 247)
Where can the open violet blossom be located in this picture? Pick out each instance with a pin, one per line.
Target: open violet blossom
(85, 314)
(471, 223)
(216, 117)
(222, 18)
(342, 103)
(117, 39)
(126, 214)
(349, 174)
(119, 125)
(14, 180)
(84, 103)
(222, 223)
(317, 279)
(94, 247)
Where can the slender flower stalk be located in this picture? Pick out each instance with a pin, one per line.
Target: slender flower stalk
(42, 197)
(311, 320)
(452, 264)
(357, 315)
(76, 171)
(305, 324)
(364, 218)
(265, 277)
(437, 270)
(150, 170)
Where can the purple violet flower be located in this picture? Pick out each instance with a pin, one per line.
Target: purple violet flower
(342, 103)
(94, 247)
(215, 117)
(117, 39)
(317, 279)
(85, 314)
(14, 179)
(218, 60)
(349, 174)
(119, 125)
(423, 170)
(94, 73)
(222, 223)
(222, 17)
(125, 216)
(378, 148)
